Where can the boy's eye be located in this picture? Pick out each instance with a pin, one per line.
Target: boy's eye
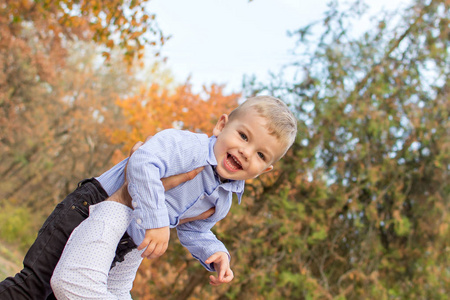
(243, 136)
(261, 155)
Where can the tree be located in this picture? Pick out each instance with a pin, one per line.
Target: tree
(157, 107)
(360, 209)
(59, 136)
(34, 36)
(55, 100)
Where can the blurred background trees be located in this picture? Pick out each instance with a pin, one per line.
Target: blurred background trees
(358, 209)
(56, 91)
(362, 211)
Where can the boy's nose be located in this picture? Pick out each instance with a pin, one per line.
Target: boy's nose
(244, 153)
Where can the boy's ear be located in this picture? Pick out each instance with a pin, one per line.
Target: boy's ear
(223, 120)
(268, 169)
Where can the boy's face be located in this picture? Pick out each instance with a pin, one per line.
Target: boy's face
(244, 147)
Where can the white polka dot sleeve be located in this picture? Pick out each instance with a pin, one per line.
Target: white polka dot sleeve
(83, 271)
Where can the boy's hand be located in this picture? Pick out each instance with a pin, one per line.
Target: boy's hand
(156, 240)
(222, 266)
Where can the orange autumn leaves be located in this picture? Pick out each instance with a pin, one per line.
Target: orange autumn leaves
(156, 108)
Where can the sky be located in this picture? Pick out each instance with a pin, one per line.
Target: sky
(218, 41)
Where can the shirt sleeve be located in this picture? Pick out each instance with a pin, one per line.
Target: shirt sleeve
(200, 243)
(167, 153)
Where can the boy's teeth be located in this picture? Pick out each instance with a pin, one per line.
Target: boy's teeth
(233, 163)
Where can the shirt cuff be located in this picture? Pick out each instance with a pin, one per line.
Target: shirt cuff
(149, 220)
(144, 215)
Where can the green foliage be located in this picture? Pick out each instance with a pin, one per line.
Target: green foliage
(17, 221)
(366, 211)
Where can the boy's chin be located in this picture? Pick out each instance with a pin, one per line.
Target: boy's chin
(224, 175)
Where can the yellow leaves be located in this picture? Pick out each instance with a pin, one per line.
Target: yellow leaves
(89, 20)
(156, 108)
(443, 229)
(371, 212)
(110, 43)
(106, 55)
(135, 35)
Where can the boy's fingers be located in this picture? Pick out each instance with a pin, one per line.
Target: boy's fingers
(212, 258)
(159, 250)
(228, 276)
(213, 280)
(221, 273)
(155, 252)
(144, 243)
(218, 281)
(148, 252)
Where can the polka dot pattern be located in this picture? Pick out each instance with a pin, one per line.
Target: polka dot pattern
(83, 271)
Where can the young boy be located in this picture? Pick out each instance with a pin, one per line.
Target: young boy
(244, 145)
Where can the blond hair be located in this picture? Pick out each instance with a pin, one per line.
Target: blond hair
(281, 121)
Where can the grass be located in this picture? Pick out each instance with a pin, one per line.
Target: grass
(10, 260)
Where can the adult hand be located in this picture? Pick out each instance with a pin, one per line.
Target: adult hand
(202, 216)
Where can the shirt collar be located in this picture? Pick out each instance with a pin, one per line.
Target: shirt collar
(234, 186)
(211, 159)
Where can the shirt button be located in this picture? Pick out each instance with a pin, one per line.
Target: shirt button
(139, 221)
(134, 203)
(85, 203)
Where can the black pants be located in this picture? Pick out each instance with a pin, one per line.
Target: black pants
(33, 282)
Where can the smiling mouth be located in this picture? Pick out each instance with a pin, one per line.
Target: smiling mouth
(232, 163)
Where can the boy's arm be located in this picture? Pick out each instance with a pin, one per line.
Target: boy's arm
(157, 239)
(201, 242)
(168, 182)
(207, 249)
(167, 153)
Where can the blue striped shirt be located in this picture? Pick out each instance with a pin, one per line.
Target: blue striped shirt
(168, 153)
